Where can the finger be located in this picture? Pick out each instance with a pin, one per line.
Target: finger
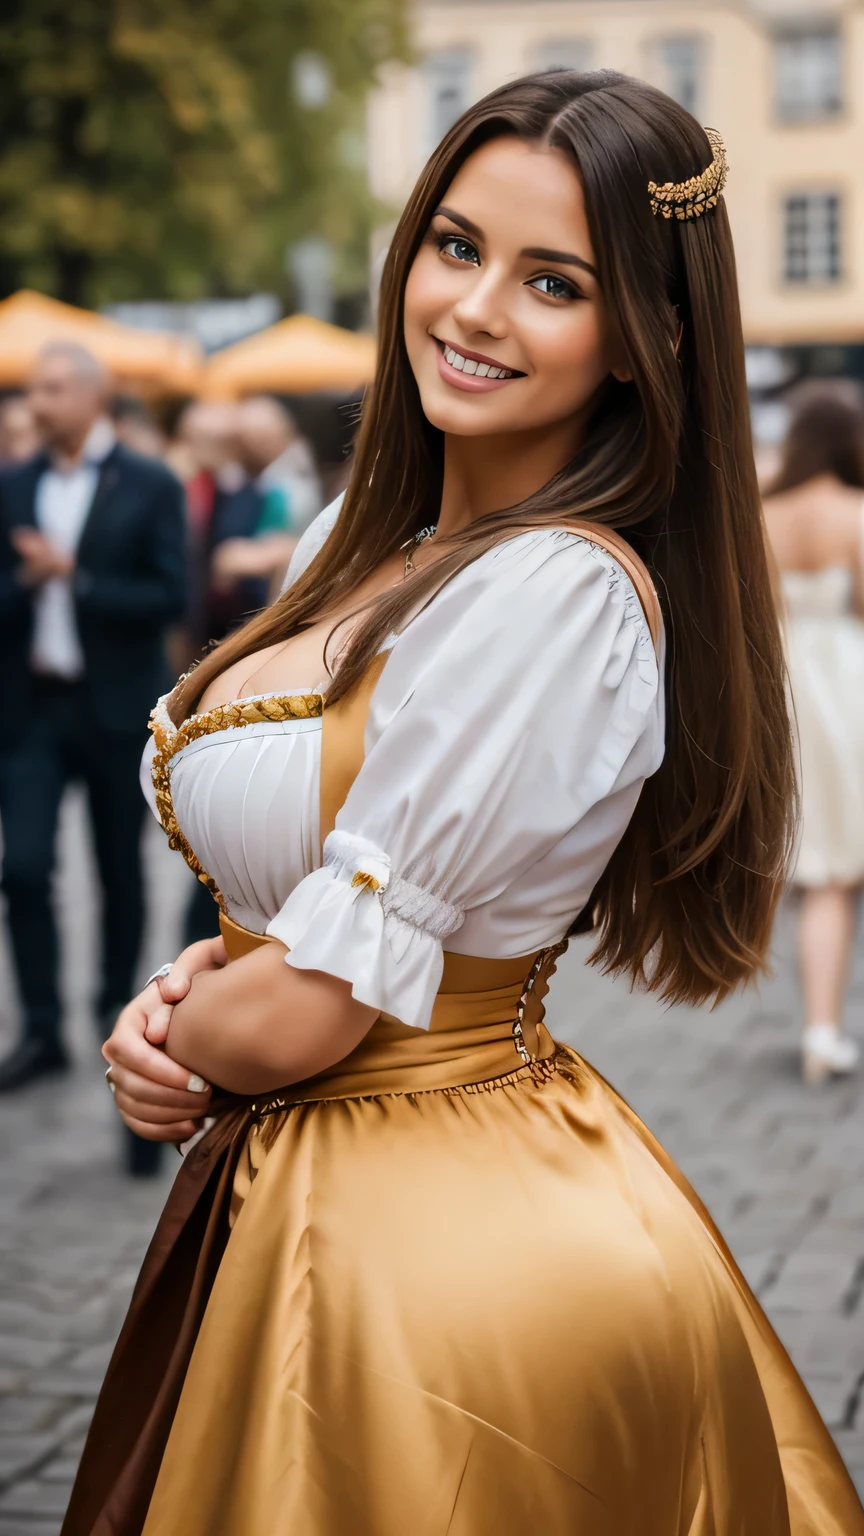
(204, 955)
(137, 1087)
(181, 1130)
(125, 1048)
(158, 1024)
(148, 1114)
(174, 986)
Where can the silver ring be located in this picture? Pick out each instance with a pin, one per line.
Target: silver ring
(164, 970)
(112, 1085)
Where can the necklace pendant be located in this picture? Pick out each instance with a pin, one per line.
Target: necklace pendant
(414, 543)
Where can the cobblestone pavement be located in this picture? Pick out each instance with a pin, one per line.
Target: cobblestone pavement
(779, 1166)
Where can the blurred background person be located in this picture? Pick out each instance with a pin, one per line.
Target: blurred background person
(199, 450)
(282, 460)
(136, 428)
(279, 465)
(19, 438)
(223, 504)
(815, 517)
(92, 571)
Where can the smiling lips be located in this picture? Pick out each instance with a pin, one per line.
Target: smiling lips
(472, 371)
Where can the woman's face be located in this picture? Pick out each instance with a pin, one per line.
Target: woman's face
(505, 325)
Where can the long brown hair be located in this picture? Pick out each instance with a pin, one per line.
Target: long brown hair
(685, 905)
(825, 435)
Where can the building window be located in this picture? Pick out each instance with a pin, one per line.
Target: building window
(448, 79)
(564, 53)
(811, 233)
(807, 74)
(678, 68)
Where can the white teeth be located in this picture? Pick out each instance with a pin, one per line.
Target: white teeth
(468, 365)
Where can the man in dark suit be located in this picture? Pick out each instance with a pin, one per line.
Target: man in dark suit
(92, 572)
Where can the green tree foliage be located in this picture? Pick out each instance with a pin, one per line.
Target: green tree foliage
(175, 148)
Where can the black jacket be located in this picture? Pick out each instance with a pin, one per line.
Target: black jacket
(129, 584)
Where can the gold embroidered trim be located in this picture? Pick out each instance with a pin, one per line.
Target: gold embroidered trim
(172, 739)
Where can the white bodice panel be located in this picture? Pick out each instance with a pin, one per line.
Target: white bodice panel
(247, 801)
(509, 736)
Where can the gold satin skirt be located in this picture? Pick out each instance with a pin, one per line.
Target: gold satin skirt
(464, 1296)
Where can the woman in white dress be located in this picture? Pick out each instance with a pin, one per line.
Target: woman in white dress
(815, 518)
(426, 1273)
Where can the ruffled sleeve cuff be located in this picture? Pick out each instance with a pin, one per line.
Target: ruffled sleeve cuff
(356, 919)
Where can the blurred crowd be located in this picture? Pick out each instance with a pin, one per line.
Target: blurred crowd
(128, 543)
(251, 482)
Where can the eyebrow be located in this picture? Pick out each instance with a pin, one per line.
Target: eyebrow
(538, 252)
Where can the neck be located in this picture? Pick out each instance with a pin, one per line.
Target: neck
(486, 474)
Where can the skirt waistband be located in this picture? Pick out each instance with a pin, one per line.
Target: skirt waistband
(487, 1022)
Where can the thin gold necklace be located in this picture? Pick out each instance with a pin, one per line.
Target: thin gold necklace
(413, 544)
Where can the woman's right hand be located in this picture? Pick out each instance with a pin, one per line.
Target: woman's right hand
(157, 1097)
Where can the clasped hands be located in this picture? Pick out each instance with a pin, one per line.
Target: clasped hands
(157, 1097)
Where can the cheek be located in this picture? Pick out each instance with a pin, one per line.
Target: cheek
(425, 293)
(572, 354)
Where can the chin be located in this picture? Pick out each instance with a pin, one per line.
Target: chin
(467, 416)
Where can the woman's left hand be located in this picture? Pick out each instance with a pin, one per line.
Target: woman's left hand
(157, 1098)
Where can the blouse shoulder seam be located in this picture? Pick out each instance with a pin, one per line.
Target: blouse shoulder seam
(617, 578)
(619, 581)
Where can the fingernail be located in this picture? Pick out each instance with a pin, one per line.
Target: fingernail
(197, 1084)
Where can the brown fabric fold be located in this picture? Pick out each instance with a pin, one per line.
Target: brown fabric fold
(144, 1380)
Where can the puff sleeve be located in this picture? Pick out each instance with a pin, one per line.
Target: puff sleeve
(524, 695)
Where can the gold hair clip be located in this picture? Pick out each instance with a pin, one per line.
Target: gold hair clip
(690, 199)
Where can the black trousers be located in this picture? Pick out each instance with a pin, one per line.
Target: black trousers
(59, 743)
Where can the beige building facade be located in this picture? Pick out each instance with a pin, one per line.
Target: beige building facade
(783, 81)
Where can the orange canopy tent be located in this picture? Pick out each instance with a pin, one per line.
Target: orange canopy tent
(145, 362)
(294, 357)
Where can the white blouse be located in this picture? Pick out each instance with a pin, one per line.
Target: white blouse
(509, 736)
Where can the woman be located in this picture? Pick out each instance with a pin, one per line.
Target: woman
(815, 519)
(464, 1290)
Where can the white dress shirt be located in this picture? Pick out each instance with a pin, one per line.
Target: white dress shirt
(64, 497)
(509, 736)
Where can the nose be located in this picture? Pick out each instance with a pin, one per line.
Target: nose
(482, 307)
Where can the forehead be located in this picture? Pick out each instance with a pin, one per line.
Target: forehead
(58, 368)
(523, 190)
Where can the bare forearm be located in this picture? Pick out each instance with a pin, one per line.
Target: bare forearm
(259, 1024)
